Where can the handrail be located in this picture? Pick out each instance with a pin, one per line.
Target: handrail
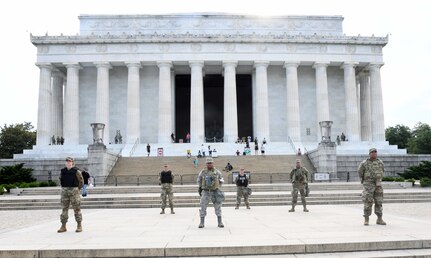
(134, 147)
(291, 144)
(311, 160)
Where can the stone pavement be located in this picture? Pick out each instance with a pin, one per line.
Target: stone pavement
(335, 230)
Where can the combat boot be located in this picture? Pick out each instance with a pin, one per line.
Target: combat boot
(163, 211)
(202, 224)
(220, 223)
(380, 221)
(237, 207)
(79, 228)
(305, 208)
(293, 209)
(62, 228)
(366, 221)
(172, 211)
(248, 206)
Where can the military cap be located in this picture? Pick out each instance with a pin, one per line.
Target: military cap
(209, 160)
(70, 159)
(372, 150)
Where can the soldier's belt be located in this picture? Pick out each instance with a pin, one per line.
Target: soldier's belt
(208, 190)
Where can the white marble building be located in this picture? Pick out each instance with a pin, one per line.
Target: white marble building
(125, 71)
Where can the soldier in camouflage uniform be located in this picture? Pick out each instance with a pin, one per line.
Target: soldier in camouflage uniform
(242, 189)
(299, 178)
(371, 172)
(71, 184)
(166, 178)
(209, 181)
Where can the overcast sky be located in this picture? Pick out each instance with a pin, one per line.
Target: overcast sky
(406, 75)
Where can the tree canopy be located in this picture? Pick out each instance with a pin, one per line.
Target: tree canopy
(398, 135)
(15, 138)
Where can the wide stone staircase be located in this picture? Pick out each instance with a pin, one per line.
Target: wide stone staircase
(111, 197)
(145, 170)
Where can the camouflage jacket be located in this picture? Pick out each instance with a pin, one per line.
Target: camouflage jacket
(299, 175)
(371, 171)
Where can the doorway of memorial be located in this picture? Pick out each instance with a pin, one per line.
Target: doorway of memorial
(213, 106)
(182, 106)
(244, 105)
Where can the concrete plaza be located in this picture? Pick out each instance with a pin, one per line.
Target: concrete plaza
(327, 230)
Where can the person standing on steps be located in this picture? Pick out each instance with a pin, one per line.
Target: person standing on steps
(299, 177)
(371, 172)
(242, 189)
(166, 180)
(71, 182)
(148, 149)
(209, 181)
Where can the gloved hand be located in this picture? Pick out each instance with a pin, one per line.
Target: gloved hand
(200, 191)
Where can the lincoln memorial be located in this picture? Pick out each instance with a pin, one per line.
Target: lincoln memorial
(219, 77)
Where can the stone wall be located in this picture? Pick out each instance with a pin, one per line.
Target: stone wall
(393, 164)
(44, 169)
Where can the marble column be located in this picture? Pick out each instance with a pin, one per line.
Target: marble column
(352, 117)
(253, 92)
(44, 132)
(71, 102)
(165, 102)
(262, 108)
(377, 115)
(365, 103)
(133, 103)
(322, 96)
(173, 102)
(197, 112)
(57, 103)
(102, 98)
(230, 102)
(293, 115)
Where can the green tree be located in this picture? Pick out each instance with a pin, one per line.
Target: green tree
(418, 172)
(398, 135)
(16, 174)
(420, 142)
(15, 138)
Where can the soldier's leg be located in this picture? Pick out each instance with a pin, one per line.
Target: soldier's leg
(203, 210)
(171, 199)
(205, 198)
(294, 198)
(238, 197)
(247, 204)
(217, 209)
(367, 198)
(76, 204)
(65, 202)
(163, 196)
(378, 205)
(304, 203)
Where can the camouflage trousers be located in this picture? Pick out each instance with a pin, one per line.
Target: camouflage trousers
(298, 187)
(70, 196)
(205, 199)
(370, 194)
(241, 191)
(167, 192)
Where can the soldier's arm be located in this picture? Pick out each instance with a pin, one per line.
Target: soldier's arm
(307, 175)
(80, 179)
(291, 175)
(173, 176)
(199, 179)
(220, 176)
(361, 170)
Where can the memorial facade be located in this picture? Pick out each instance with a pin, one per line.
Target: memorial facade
(215, 76)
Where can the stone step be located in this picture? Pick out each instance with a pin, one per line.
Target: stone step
(192, 188)
(192, 200)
